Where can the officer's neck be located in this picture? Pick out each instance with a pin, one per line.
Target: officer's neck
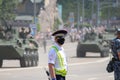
(58, 44)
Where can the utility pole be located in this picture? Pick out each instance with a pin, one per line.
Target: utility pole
(98, 12)
(92, 12)
(78, 12)
(83, 11)
(35, 12)
(108, 18)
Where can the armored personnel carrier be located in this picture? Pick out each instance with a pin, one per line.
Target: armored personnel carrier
(95, 43)
(14, 47)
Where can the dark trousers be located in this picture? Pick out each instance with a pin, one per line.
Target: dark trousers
(59, 77)
(116, 67)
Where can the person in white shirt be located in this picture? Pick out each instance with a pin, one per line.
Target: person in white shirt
(56, 57)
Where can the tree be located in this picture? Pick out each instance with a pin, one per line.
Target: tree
(112, 8)
(71, 6)
(7, 12)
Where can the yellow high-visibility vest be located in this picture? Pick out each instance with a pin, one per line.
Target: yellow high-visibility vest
(62, 71)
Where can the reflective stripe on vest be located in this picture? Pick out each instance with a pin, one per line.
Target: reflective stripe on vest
(62, 71)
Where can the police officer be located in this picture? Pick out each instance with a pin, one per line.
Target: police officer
(116, 55)
(56, 57)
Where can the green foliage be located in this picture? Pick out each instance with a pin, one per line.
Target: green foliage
(71, 6)
(112, 11)
(7, 8)
(83, 25)
(86, 25)
(68, 6)
(38, 27)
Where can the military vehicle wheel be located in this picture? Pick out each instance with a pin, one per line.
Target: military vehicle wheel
(81, 53)
(104, 54)
(24, 61)
(34, 58)
(28, 58)
(1, 62)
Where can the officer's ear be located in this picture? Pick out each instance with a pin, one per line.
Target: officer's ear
(56, 38)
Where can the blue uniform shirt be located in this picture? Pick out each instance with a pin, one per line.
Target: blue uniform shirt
(115, 47)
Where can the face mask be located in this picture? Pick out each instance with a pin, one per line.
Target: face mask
(61, 41)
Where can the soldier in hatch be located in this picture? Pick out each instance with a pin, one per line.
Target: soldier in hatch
(23, 34)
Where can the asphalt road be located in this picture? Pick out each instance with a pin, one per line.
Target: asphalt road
(90, 68)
